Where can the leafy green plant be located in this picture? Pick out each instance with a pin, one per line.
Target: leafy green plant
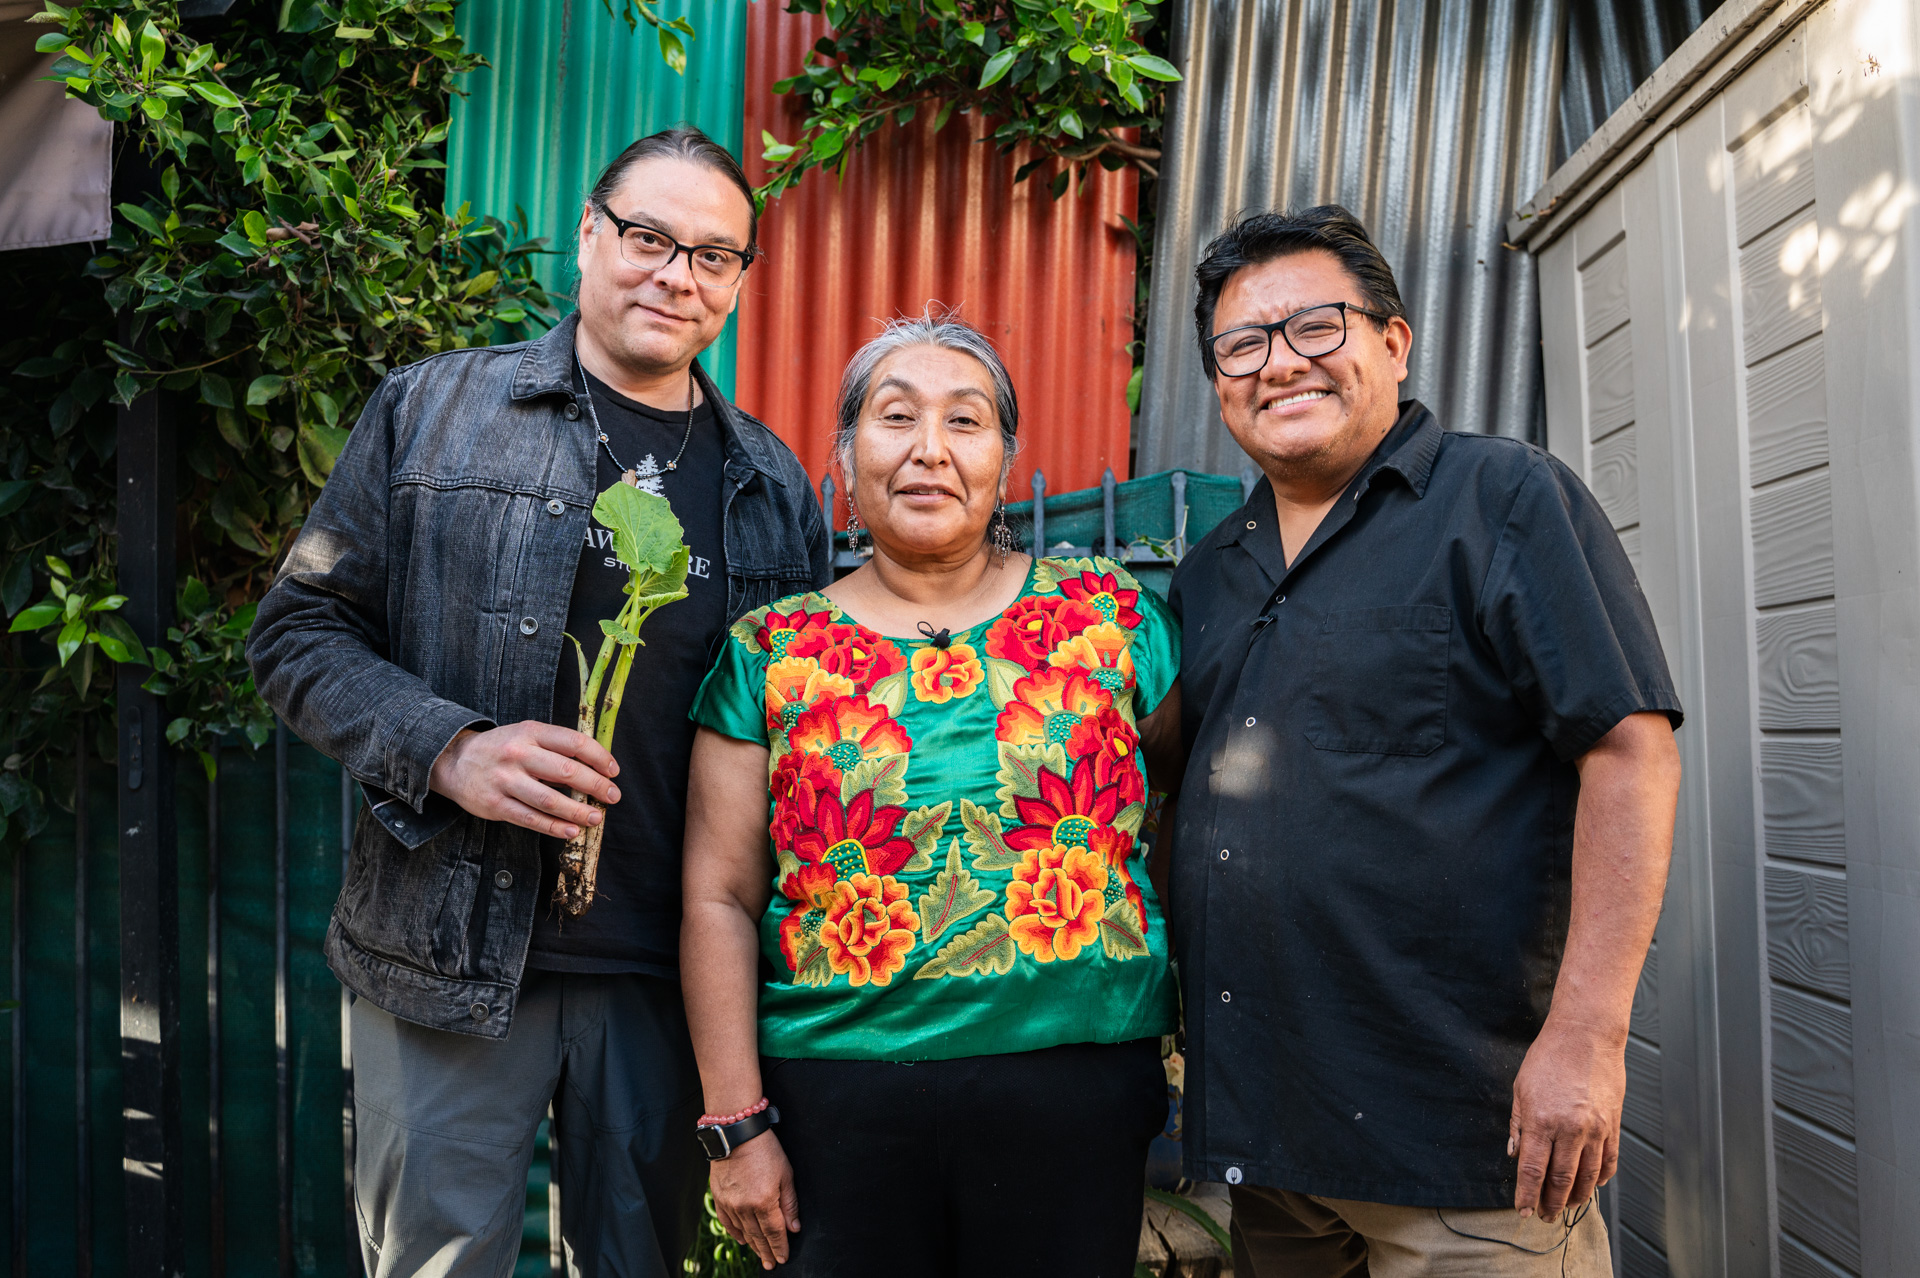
(279, 244)
(647, 538)
(1069, 79)
(673, 50)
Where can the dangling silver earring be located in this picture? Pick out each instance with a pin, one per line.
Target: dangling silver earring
(1002, 535)
(853, 529)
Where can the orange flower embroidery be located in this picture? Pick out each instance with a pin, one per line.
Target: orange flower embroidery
(794, 685)
(1102, 591)
(1100, 651)
(868, 929)
(942, 674)
(845, 730)
(853, 652)
(1115, 848)
(811, 889)
(1055, 901)
(1048, 707)
(1035, 626)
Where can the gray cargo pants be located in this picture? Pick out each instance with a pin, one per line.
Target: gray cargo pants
(447, 1125)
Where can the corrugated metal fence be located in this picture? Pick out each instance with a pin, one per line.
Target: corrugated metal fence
(569, 88)
(922, 218)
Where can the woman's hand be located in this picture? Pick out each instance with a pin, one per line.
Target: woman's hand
(753, 1195)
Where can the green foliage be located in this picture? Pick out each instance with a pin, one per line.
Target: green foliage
(1067, 79)
(673, 49)
(279, 244)
(714, 1255)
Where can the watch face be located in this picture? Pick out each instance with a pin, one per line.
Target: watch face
(713, 1142)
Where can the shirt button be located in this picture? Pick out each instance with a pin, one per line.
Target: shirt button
(1223, 854)
(1234, 1175)
(480, 1011)
(573, 412)
(529, 625)
(503, 880)
(1226, 996)
(1282, 599)
(1249, 717)
(1250, 523)
(556, 507)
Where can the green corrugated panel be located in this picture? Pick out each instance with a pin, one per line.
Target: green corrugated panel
(569, 88)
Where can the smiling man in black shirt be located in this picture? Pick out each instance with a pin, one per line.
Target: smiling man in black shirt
(1424, 830)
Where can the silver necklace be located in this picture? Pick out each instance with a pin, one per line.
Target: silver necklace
(627, 471)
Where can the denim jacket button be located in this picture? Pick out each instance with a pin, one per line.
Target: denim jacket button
(503, 880)
(556, 507)
(573, 412)
(529, 625)
(480, 1011)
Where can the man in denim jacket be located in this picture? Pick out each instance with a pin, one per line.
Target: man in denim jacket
(417, 634)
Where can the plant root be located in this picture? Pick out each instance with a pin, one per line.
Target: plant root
(580, 862)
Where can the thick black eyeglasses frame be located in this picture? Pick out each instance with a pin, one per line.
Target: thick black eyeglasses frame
(621, 226)
(1280, 326)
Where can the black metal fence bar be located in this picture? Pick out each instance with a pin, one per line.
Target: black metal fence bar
(216, 1163)
(282, 1062)
(348, 811)
(1039, 513)
(82, 1005)
(17, 1214)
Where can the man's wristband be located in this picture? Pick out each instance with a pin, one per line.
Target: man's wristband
(720, 1142)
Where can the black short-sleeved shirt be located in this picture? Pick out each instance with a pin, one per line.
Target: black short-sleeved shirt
(1374, 841)
(633, 924)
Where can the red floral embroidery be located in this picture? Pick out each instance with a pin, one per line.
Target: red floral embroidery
(856, 837)
(868, 929)
(797, 770)
(1030, 630)
(780, 629)
(1068, 812)
(1102, 591)
(853, 652)
(1115, 848)
(1050, 708)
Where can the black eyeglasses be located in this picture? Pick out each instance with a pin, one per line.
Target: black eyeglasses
(650, 248)
(1316, 331)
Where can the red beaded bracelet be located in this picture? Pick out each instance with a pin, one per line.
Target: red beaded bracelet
(728, 1120)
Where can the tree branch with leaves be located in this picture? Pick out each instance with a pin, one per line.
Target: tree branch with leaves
(1070, 80)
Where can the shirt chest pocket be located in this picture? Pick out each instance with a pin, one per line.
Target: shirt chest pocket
(1380, 681)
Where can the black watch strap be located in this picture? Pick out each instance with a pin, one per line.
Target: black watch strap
(719, 1142)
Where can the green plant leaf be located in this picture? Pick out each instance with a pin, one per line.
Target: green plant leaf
(673, 51)
(997, 67)
(264, 388)
(216, 94)
(1153, 68)
(14, 494)
(37, 617)
(646, 533)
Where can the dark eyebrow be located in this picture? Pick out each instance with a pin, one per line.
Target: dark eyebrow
(720, 239)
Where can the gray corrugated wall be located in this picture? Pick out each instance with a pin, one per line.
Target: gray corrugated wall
(1431, 119)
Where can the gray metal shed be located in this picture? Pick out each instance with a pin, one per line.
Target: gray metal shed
(1730, 314)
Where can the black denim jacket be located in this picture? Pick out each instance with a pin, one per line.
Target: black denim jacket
(427, 593)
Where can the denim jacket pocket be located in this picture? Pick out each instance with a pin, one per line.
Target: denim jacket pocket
(1380, 681)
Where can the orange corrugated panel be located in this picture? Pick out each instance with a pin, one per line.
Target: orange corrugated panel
(923, 217)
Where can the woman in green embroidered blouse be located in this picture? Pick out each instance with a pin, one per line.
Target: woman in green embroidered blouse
(959, 967)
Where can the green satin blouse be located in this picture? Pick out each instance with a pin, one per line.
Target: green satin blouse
(954, 829)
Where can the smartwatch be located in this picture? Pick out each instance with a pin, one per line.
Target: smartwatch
(718, 1142)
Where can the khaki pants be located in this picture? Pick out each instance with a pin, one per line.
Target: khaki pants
(1280, 1234)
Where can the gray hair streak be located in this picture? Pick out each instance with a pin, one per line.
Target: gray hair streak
(935, 326)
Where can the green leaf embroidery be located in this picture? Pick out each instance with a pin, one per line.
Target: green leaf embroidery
(1020, 773)
(1120, 932)
(890, 693)
(1001, 676)
(1130, 818)
(884, 775)
(990, 850)
(955, 896)
(813, 968)
(986, 949)
(923, 828)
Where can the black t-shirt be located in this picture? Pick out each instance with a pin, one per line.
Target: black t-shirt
(1374, 846)
(634, 922)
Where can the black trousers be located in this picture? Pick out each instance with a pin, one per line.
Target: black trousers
(1033, 1163)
